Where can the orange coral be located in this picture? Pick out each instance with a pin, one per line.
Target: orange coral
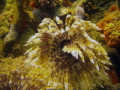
(33, 4)
(67, 3)
(110, 26)
(113, 8)
(113, 76)
(111, 11)
(101, 24)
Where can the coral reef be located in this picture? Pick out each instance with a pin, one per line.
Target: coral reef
(48, 7)
(15, 81)
(65, 53)
(15, 23)
(14, 76)
(110, 25)
(2, 4)
(66, 56)
(96, 8)
(70, 9)
(12, 25)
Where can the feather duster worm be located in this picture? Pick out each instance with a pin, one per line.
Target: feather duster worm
(68, 58)
(17, 81)
(14, 75)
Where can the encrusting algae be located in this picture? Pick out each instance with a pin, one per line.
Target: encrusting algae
(67, 58)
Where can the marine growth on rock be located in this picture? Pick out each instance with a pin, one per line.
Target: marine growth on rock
(110, 26)
(67, 57)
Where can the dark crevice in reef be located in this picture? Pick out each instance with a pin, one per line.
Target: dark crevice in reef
(2, 5)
